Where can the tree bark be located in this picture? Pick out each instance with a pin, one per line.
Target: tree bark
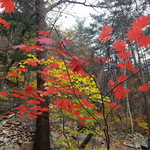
(146, 94)
(42, 135)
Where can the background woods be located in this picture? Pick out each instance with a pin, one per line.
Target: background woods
(86, 80)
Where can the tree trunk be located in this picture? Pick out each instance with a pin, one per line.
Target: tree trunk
(146, 94)
(42, 135)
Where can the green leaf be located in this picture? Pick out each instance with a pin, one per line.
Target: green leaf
(73, 148)
(89, 131)
(73, 132)
(63, 140)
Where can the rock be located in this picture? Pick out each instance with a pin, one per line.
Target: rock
(53, 134)
(137, 145)
(95, 141)
(136, 141)
(142, 142)
(129, 145)
(2, 144)
(129, 136)
(80, 137)
(6, 140)
(1, 139)
(27, 146)
(15, 132)
(9, 122)
(3, 122)
(19, 141)
(5, 132)
(12, 147)
(2, 148)
(30, 138)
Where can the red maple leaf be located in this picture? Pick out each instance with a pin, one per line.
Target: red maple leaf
(29, 88)
(37, 113)
(23, 97)
(3, 93)
(38, 48)
(104, 59)
(23, 47)
(130, 66)
(44, 109)
(94, 59)
(91, 118)
(31, 116)
(15, 95)
(59, 103)
(134, 70)
(22, 108)
(8, 5)
(43, 93)
(111, 82)
(26, 47)
(114, 105)
(4, 23)
(85, 102)
(77, 113)
(66, 42)
(141, 22)
(40, 98)
(124, 55)
(120, 92)
(44, 40)
(16, 91)
(122, 66)
(144, 88)
(119, 45)
(42, 72)
(22, 115)
(44, 32)
(105, 34)
(76, 107)
(54, 65)
(22, 69)
(99, 114)
(48, 69)
(12, 73)
(127, 65)
(11, 112)
(76, 64)
(33, 102)
(122, 78)
(32, 63)
(134, 34)
(144, 41)
(74, 91)
(82, 123)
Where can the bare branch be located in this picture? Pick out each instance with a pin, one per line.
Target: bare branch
(73, 2)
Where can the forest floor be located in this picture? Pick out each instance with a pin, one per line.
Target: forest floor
(118, 141)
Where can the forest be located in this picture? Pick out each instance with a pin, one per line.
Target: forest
(84, 87)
